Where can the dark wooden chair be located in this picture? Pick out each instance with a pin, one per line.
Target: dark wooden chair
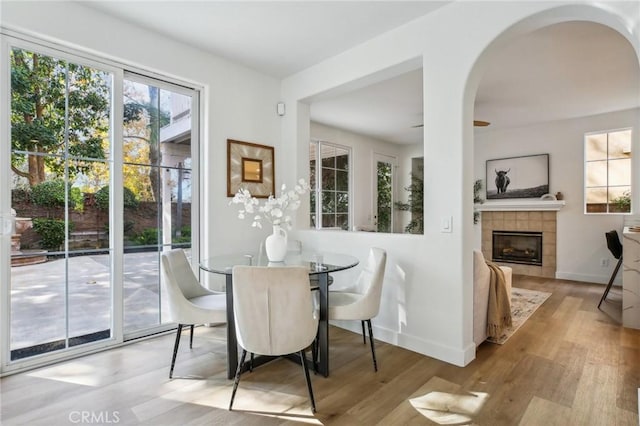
(615, 247)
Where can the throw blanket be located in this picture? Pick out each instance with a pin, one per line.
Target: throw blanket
(499, 310)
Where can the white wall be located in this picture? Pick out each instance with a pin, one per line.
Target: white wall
(580, 237)
(362, 154)
(427, 299)
(239, 103)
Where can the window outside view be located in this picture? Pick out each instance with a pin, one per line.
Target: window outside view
(62, 165)
(608, 172)
(329, 179)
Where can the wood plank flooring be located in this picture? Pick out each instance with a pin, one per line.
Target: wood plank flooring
(569, 364)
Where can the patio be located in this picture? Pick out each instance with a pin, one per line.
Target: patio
(38, 298)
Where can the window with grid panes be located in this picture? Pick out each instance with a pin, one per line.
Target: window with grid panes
(608, 172)
(329, 178)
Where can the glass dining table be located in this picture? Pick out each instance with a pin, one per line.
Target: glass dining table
(319, 269)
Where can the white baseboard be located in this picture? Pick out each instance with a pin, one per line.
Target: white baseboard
(459, 357)
(588, 278)
(425, 347)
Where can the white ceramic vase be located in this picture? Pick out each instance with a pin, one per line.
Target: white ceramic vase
(276, 244)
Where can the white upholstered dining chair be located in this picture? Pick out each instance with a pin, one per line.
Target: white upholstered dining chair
(362, 300)
(189, 302)
(273, 315)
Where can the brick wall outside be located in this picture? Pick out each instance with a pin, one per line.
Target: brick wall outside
(91, 223)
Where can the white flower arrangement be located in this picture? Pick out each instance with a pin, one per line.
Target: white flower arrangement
(274, 209)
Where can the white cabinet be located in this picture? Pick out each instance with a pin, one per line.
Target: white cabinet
(631, 278)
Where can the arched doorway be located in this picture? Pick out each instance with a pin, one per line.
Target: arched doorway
(548, 130)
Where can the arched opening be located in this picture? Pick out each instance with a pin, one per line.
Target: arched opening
(543, 84)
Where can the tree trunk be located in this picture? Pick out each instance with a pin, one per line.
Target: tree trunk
(154, 141)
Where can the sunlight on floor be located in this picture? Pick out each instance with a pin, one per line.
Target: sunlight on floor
(298, 418)
(449, 409)
(445, 403)
(72, 372)
(250, 399)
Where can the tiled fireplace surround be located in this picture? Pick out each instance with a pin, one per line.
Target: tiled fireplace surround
(541, 221)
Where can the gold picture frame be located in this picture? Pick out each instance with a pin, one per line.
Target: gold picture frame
(250, 166)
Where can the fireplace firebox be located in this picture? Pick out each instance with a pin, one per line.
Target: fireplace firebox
(523, 247)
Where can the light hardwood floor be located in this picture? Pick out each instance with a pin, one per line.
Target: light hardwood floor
(569, 364)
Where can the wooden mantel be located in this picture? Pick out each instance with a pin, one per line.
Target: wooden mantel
(519, 205)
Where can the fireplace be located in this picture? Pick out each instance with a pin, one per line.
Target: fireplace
(523, 222)
(523, 247)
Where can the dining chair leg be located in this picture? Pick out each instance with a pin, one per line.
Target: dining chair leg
(364, 336)
(373, 350)
(303, 361)
(175, 349)
(316, 342)
(314, 355)
(191, 339)
(251, 363)
(613, 277)
(237, 379)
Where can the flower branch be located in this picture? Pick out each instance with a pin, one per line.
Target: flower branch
(275, 209)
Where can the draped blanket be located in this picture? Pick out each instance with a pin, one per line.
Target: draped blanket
(499, 309)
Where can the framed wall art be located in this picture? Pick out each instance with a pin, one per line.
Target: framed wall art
(518, 177)
(250, 166)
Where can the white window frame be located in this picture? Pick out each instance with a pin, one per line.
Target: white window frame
(585, 162)
(11, 39)
(318, 191)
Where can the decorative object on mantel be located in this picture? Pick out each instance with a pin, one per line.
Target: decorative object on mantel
(559, 196)
(274, 211)
(548, 197)
(477, 187)
(518, 177)
(250, 166)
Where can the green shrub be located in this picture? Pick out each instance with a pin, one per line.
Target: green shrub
(52, 194)
(623, 202)
(147, 237)
(102, 198)
(415, 204)
(51, 232)
(185, 235)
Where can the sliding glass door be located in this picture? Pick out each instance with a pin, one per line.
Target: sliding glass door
(100, 165)
(61, 280)
(156, 170)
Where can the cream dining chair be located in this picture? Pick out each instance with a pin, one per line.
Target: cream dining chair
(189, 302)
(274, 315)
(362, 300)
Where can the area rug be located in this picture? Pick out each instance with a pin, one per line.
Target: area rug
(523, 304)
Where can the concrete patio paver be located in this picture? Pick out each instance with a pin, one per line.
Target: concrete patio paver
(38, 297)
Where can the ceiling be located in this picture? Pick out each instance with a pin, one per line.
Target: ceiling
(562, 71)
(278, 38)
